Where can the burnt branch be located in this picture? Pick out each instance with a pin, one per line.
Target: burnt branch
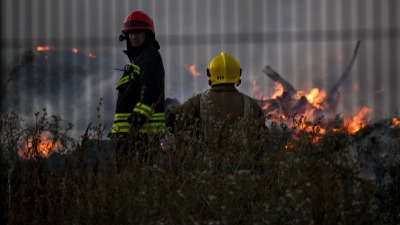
(271, 73)
(343, 77)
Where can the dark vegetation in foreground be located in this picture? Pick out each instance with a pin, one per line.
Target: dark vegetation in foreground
(279, 176)
(266, 177)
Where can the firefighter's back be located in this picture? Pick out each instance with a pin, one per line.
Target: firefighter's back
(225, 103)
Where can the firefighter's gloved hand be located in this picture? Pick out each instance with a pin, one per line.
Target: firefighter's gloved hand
(138, 120)
(129, 70)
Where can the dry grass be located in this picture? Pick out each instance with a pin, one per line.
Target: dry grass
(259, 181)
(261, 177)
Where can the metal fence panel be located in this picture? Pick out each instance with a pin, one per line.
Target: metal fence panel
(308, 42)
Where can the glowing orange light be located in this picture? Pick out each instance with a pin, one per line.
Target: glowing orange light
(192, 70)
(316, 97)
(42, 48)
(315, 101)
(357, 122)
(265, 106)
(289, 146)
(74, 50)
(42, 146)
(395, 122)
(278, 90)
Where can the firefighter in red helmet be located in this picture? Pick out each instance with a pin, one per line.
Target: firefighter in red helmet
(139, 110)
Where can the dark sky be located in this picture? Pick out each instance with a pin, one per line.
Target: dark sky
(308, 42)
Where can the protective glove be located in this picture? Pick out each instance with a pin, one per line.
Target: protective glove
(130, 71)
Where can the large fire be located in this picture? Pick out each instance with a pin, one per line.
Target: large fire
(306, 105)
(43, 146)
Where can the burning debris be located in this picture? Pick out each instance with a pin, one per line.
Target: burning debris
(291, 102)
(43, 145)
(371, 149)
(52, 57)
(313, 105)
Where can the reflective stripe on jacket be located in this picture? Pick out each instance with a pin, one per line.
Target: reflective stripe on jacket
(121, 124)
(131, 74)
(141, 90)
(155, 124)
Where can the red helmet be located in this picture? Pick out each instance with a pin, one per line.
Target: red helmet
(138, 20)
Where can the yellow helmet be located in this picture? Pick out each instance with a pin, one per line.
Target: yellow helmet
(224, 69)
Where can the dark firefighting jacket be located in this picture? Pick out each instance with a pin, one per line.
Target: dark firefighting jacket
(141, 92)
(222, 103)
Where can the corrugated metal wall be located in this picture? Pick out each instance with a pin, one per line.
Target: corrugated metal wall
(308, 42)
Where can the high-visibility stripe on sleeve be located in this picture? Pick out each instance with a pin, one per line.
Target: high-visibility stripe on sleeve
(136, 68)
(155, 124)
(121, 127)
(125, 79)
(121, 124)
(143, 109)
(121, 116)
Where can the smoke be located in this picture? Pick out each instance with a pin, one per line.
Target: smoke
(307, 42)
(65, 84)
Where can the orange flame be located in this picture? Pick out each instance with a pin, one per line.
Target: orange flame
(288, 148)
(278, 90)
(357, 122)
(266, 105)
(192, 70)
(44, 146)
(316, 130)
(316, 97)
(41, 48)
(395, 122)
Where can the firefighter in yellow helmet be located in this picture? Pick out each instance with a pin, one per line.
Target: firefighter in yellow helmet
(140, 105)
(221, 106)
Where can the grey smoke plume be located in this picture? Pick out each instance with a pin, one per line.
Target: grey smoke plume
(65, 84)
